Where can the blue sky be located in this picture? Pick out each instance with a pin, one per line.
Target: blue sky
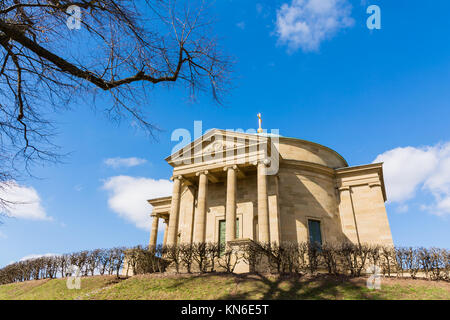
(368, 94)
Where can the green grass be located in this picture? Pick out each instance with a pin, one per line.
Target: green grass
(222, 286)
(55, 289)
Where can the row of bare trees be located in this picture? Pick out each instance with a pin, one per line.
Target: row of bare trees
(354, 260)
(285, 258)
(295, 258)
(196, 257)
(85, 263)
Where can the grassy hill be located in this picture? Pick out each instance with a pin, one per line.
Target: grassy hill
(224, 286)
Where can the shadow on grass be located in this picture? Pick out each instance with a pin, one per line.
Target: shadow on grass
(271, 287)
(287, 287)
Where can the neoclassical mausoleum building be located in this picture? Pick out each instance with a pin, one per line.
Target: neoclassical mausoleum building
(231, 186)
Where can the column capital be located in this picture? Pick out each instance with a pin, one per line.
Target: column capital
(234, 167)
(177, 177)
(344, 188)
(265, 161)
(205, 172)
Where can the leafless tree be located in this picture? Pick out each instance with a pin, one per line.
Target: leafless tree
(388, 260)
(401, 256)
(313, 251)
(92, 261)
(213, 253)
(63, 264)
(104, 260)
(173, 254)
(412, 261)
(330, 257)
(439, 262)
(186, 255)
(200, 256)
(291, 257)
(123, 49)
(229, 258)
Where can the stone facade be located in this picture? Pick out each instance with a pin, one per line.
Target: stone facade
(270, 188)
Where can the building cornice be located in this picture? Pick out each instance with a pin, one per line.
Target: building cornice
(362, 169)
(159, 200)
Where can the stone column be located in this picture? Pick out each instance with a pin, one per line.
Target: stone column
(166, 229)
(200, 217)
(263, 212)
(154, 232)
(230, 217)
(174, 212)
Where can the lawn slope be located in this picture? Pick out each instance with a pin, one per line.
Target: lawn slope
(222, 286)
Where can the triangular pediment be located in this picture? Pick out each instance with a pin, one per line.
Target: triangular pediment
(218, 145)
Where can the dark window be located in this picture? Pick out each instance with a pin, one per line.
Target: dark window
(222, 233)
(315, 235)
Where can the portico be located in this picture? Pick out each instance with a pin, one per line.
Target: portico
(221, 160)
(199, 186)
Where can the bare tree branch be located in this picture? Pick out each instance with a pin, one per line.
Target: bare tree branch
(123, 49)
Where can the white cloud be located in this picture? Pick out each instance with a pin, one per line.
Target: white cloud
(128, 197)
(124, 162)
(428, 168)
(406, 168)
(306, 23)
(34, 256)
(24, 202)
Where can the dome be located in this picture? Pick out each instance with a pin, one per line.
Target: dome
(307, 151)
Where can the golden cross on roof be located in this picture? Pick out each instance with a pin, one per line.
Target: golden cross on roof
(260, 130)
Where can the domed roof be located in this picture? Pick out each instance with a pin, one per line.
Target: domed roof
(303, 150)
